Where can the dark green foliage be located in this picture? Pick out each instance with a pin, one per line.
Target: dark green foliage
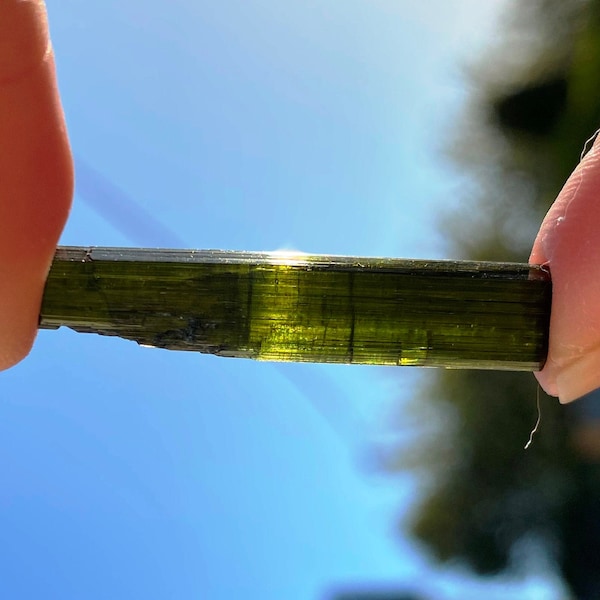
(523, 139)
(497, 492)
(535, 109)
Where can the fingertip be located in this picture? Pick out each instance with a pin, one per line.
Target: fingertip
(18, 327)
(36, 172)
(24, 37)
(546, 382)
(14, 353)
(568, 242)
(572, 380)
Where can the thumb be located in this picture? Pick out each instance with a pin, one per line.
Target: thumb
(36, 174)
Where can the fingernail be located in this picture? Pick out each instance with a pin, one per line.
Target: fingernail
(579, 377)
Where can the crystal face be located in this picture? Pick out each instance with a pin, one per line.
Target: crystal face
(305, 308)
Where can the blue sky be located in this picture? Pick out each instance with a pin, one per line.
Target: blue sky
(257, 125)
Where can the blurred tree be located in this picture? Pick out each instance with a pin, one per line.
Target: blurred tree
(522, 135)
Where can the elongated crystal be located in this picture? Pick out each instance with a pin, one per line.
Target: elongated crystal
(306, 308)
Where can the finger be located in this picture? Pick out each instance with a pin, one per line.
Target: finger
(36, 175)
(569, 242)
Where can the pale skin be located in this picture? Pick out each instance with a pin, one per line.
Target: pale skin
(568, 243)
(36, 172)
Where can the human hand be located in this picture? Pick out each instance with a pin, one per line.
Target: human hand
(569, 243)
(36, 173)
